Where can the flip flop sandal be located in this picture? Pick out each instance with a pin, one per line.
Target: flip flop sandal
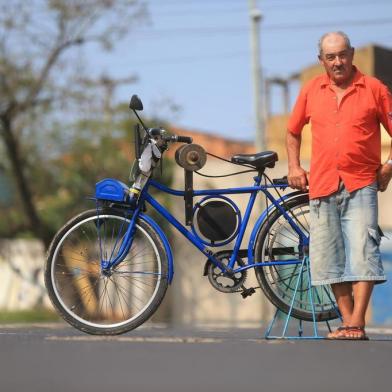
(361, 336)
(331, 335)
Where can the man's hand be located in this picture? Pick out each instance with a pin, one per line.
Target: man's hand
(384, 175)
(297, 178)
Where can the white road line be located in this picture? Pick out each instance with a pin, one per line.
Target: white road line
(137, 339)
(161, 339)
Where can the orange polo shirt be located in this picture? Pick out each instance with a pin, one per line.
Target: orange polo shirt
(346, 139)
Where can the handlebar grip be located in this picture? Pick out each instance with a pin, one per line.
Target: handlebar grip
(280, 181)
(184, 139)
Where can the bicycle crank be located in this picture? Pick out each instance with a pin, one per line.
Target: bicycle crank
(222, 281)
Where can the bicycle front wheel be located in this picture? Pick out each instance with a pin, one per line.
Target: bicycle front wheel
(277, 241)
(105, 302)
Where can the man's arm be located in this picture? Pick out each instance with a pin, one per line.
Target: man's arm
(384, 173)
(297, 175)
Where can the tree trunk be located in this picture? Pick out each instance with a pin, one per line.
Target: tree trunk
(12, 144)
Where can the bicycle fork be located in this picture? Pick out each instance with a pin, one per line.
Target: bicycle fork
(122, 243)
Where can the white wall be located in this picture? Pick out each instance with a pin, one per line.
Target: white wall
(21, 271)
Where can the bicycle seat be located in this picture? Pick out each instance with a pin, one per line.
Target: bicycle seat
(259, 160)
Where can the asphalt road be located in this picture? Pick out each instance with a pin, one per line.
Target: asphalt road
(56, 358)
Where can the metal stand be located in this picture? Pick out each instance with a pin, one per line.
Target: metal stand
(284, 335)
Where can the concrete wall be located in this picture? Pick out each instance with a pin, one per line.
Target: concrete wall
(21, 271)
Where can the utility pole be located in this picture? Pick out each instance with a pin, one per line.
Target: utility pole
(284, 83)
(255, 18)
(260, 108)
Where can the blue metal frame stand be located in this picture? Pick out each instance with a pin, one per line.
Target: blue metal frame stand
(284, 335)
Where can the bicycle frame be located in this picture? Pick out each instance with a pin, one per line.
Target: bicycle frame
(252, 190)
(108, 269)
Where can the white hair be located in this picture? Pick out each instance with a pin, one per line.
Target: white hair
(341, 33)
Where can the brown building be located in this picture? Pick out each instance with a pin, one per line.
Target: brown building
(218, 145)
(372, 60)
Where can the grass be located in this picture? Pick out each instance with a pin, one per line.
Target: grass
(27, 316)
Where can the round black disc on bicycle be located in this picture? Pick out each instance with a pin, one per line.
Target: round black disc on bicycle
(216, 221)
(223, 282)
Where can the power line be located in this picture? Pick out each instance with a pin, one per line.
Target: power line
(364, 22)
(192, 59)
(238, 55)
(278, 27)
(199, 3)
(263, 5)
(325, 4)
(202, 10)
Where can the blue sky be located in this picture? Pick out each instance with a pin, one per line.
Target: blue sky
(196, 54)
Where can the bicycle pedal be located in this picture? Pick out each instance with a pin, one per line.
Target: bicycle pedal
(247, 292)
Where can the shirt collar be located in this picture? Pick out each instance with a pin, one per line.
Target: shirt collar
(358, 78)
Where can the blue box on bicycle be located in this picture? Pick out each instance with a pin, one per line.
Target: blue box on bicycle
(111, 189)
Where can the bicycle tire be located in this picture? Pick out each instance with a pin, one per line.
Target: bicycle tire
(277, 238)
(88, 299)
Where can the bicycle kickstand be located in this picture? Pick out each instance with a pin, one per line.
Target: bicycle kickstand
(289, 316)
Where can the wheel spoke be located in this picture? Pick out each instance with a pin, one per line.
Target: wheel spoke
(96, 300)
(278, 241)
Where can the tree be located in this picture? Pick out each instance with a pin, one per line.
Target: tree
(37, 39)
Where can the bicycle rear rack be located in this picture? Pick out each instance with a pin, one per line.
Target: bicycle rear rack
(288, 317)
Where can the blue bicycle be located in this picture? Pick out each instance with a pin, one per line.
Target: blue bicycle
(108, 268)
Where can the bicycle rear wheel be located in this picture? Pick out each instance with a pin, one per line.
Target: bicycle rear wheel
(105, 303)
(277, 240)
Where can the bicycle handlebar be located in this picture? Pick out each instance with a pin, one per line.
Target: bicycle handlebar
(280, 181)
(158, 133)
(184, 139)
(177, 138)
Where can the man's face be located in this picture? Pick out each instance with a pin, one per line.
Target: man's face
(336, 58)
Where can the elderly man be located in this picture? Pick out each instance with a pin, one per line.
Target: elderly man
(345, 109)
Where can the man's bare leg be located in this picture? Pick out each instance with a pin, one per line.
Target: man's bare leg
(343, 293)
(353, 300)
(362, 292)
